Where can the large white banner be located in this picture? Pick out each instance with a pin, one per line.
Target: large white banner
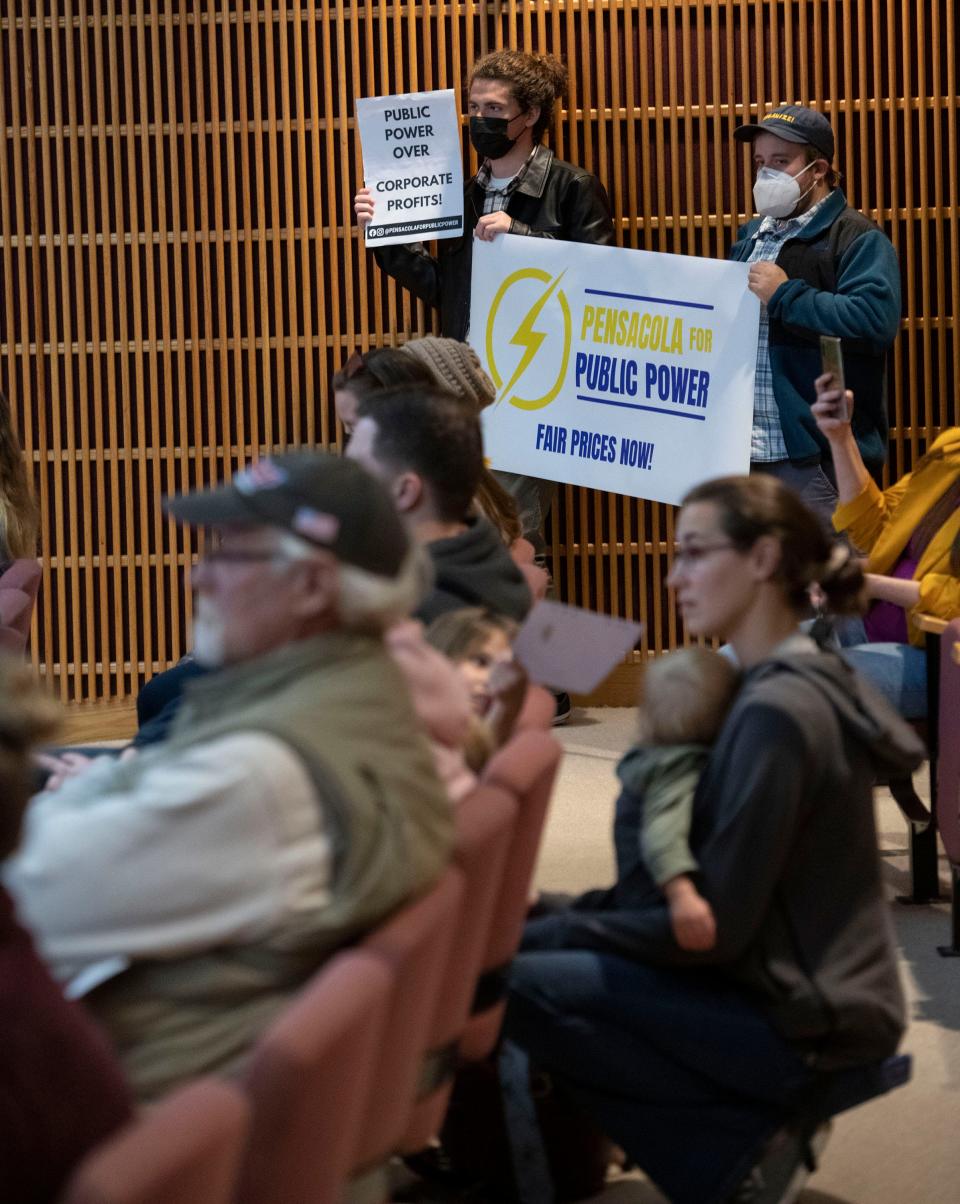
(413, 165)
(622, 370)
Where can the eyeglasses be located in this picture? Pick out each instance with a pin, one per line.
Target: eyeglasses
(692, 554)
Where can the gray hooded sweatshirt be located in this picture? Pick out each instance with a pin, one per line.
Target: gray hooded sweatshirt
(783, 832)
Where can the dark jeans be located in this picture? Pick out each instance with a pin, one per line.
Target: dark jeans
(813, 483)
(159, 701)
(676, 1066)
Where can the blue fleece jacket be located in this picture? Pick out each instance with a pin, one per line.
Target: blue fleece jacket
(844, 281)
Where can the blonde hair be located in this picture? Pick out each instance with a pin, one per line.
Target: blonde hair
(460, 634)
(685, 696)
(18, 511)
(27, 717)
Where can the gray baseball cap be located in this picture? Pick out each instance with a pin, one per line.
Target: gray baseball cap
(793, 123)
(326, 500)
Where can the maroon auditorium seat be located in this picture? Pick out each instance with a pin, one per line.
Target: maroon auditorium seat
(183, 1151)
(415, 944)
(485, 820)
(309, 1081)
(525, 768)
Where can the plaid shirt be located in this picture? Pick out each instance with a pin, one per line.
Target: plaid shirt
(495, 199)
(766, 438)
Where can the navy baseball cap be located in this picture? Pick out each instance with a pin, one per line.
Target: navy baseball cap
(793, 123)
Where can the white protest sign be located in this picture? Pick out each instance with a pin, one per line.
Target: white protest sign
(616, 369)
(413, 165)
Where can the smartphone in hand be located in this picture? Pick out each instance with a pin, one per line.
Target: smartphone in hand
(831, 359)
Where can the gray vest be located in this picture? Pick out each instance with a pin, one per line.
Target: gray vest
(342, 705)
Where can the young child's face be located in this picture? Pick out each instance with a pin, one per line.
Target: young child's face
(477, 667)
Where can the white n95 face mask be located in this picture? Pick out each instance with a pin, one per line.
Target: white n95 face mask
(777, 193)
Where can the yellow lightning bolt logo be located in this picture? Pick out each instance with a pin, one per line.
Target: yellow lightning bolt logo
(529, 338)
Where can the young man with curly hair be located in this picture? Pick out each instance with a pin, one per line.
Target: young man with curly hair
(520, 188)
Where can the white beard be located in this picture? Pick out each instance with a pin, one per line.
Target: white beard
(208, 649)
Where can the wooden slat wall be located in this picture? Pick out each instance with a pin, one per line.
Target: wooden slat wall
(179, 273)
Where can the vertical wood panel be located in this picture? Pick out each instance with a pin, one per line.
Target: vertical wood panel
(181, 274)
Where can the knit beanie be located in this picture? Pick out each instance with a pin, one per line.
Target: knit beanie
(456, 366)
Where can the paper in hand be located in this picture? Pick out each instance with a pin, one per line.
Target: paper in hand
(570, 649)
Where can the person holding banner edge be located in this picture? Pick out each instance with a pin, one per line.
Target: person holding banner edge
(819, 268)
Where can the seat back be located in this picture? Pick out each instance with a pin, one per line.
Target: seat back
(184, 1150)
(415, 944)
(18, 594)
(485, 820)
(537, 712)
(23, 574)
(309, 1081)
(525, 767)
(948, 768)
(16, 609)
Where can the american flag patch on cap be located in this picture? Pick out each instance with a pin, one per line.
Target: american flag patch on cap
(262, 474)
(316, 525)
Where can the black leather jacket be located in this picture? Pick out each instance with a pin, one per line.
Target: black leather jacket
(553, 200)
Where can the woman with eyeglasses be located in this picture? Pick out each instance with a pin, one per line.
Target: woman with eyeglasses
(697, 1062)
(911, 533)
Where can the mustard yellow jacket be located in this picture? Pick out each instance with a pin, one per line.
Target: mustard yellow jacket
(881, 524)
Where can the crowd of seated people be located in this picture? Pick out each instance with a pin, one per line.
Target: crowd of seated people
(292, 804)
(351, 674)
(293, 799)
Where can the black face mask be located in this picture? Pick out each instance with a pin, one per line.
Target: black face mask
(490, 138)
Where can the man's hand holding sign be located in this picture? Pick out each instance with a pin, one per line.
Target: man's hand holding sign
(492, 224)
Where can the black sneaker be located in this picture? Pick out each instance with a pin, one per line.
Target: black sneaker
(564, 707)
(787, 1162)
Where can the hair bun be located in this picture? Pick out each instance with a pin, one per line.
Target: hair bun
(842, 581)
